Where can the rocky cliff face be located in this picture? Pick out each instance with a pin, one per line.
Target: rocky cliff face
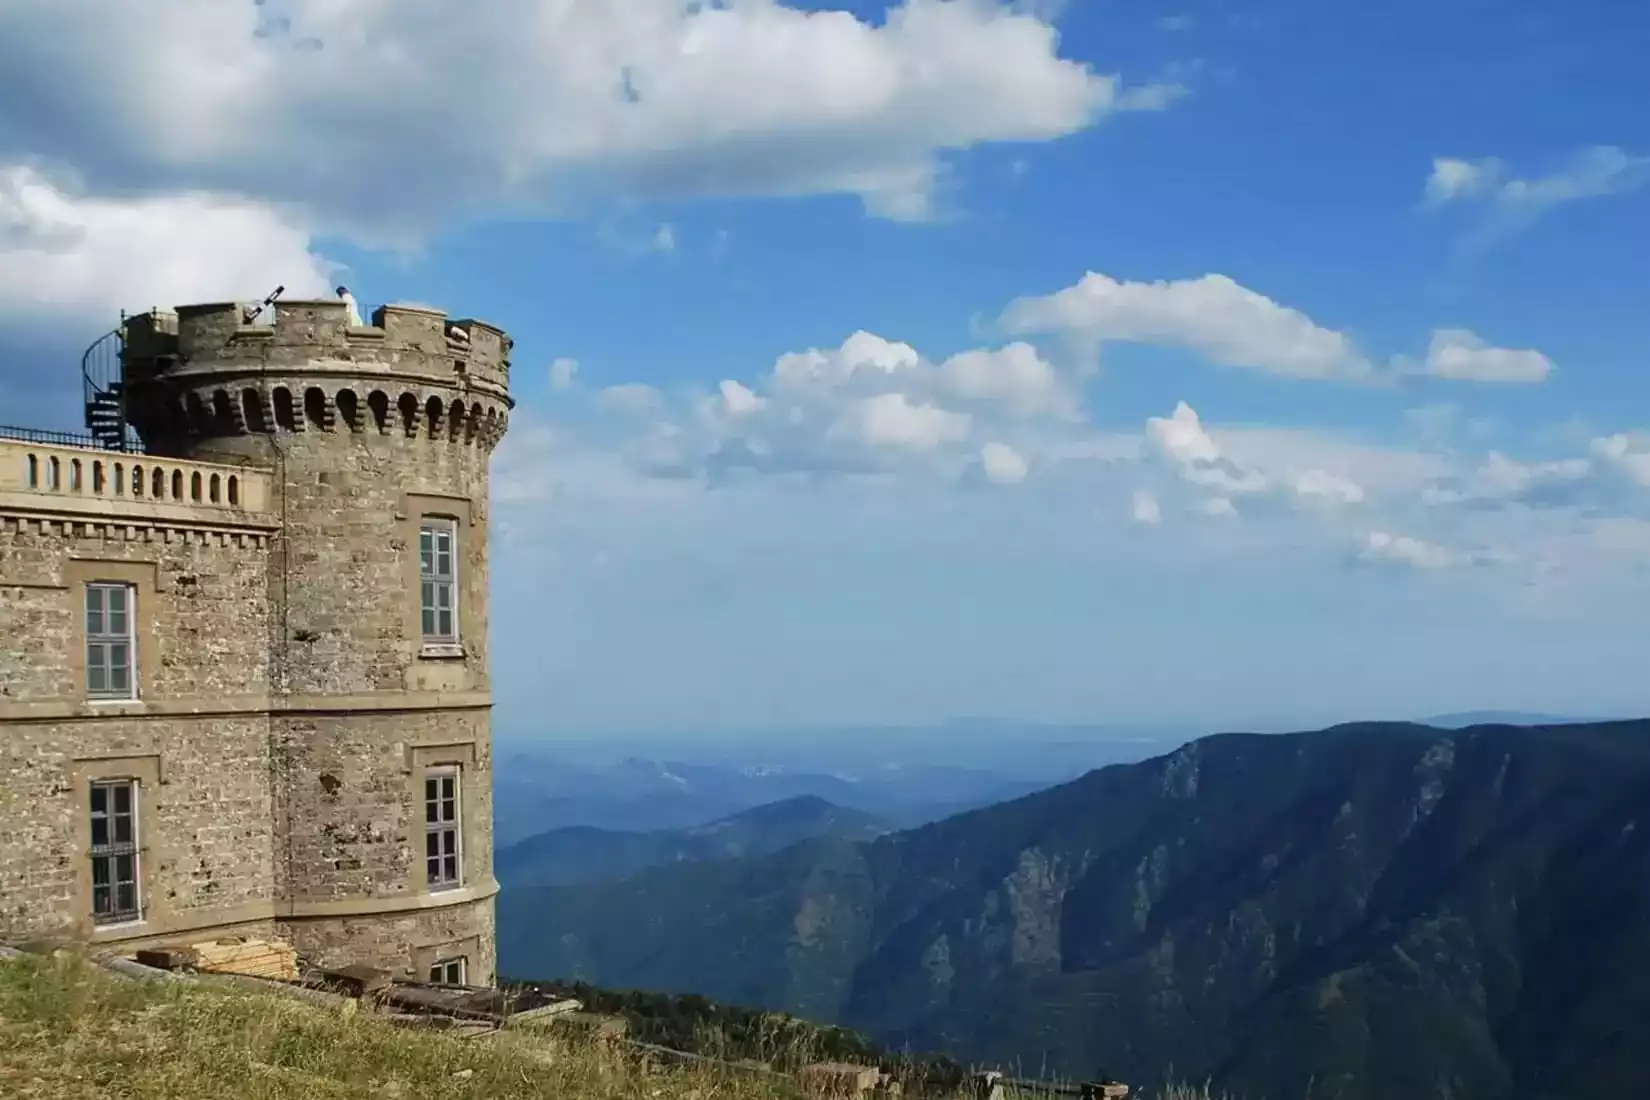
(1366, 912)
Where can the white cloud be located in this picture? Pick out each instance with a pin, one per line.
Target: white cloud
(871, 405)
(1614, 475)
(1269, 466)
(1382, 548)
(1226, 323)
(738, 399)
(1003, 465)
(1180, 442)
(1624, 457)
(1514, 203)
(1460, 355)
(65, 254)
(373, 121)
(1016, 375)
(1320, 485)
(1454, 178)
(1145, 509)
(562, 373)
(893, 420)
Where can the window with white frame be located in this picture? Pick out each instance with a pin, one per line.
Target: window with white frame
(111, 670)
(449, 972)
(443, 851)
(114, 851)
(438, 581)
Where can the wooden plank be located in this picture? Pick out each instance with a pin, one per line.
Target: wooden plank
(169, 958)
(358, 980)
(542, 1013)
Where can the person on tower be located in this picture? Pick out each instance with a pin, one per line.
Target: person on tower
(349, 306)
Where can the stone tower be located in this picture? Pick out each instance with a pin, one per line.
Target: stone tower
(379, 439)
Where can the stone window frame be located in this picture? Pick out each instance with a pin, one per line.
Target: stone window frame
(146, 773)
(143, 577)
(450, 971)
(440, 828)
(419, 760)
(437, 528)
(108, 641)
(426, 956)
(111, 850)
(416, 509)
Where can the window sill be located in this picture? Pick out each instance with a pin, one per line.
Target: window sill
(444, 888)
(113, 700)
(116, 927)
(441, 651)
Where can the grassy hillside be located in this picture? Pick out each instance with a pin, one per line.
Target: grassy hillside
(71, 1031)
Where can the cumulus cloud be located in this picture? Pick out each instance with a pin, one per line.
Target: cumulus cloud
(870, 405)
(1614, 474)
(1217, 481)
(67, 254)
(374, 121)
(1180, 442)
(894, 421)
(1228, 324)
(1460, 355)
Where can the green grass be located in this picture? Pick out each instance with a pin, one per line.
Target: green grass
(69, 1029)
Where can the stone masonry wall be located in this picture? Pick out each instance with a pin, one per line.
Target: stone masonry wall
(207, 827)
(205, 800)
(357, 791)
(366, 430)
(404, 943)
(206, 608)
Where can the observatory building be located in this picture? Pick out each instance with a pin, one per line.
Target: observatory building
(243, 640)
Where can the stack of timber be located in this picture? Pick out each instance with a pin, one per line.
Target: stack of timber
(252, 958)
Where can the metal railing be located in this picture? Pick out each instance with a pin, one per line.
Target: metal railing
(48, 438)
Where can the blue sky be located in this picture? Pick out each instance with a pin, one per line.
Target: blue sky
(1216, 363)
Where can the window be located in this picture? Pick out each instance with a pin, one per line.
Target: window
(437, 572)
(443, 862)
(114, 806)
(448, 972)
(111, 672)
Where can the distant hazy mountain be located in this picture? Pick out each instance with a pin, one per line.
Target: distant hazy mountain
(907, 775)
(1373, 911)
(580, 854)
(1467, 718)
(532, 795)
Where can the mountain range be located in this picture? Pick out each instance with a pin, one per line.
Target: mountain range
(1366, 912)
(580, 853)
(908, 780)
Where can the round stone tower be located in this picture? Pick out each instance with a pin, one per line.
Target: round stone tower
(379, 437)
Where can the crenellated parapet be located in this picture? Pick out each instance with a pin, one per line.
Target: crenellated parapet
(203, 371)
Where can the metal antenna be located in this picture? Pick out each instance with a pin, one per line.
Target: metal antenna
(250, 315)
